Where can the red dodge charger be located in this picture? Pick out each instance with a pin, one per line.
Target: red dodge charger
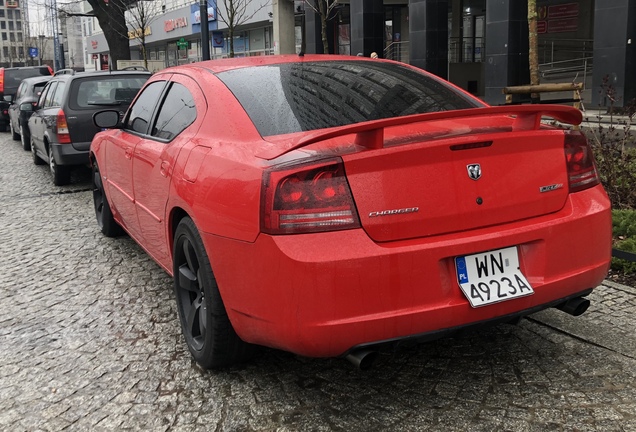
(332, 205)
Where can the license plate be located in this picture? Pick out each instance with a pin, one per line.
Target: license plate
(491, 277)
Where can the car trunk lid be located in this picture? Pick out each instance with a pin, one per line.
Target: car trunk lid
(444, 185)
(444, 172)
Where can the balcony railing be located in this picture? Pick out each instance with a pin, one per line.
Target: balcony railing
(398, 51)
(466, 50)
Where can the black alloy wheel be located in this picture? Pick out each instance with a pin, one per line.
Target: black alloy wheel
(206, 327)
(105, 220)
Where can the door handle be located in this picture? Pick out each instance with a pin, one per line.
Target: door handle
(128, 153)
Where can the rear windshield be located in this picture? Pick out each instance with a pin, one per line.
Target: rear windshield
(13, 77)
(88, 93)
(295, 97)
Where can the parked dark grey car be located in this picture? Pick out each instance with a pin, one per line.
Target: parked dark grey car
(62, 125)
(10, 79)
(28, 93)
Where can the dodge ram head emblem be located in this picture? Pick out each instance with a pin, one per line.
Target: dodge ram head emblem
(474, 171)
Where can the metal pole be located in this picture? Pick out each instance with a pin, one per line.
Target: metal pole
(205, 31)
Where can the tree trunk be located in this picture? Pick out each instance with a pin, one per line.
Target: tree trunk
(230, 32)
(323, 26)
(534, 46)
(112, 21)
(144, 54)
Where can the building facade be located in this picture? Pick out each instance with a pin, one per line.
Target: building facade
(480, 45)
(14, 34)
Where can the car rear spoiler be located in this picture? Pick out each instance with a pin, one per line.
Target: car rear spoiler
(370, 134)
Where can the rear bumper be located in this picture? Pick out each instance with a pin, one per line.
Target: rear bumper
(4, 114)
(323, 294)
(70, 154)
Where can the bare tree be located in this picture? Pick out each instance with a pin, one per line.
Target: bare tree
(235, 13)
(139, 18)
(111, 17)
(114, 18)
(41, 42)
(325, 9)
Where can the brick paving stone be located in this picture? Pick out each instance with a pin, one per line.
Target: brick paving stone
(89, 340)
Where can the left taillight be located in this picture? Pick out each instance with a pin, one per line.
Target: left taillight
(582, 173)
(307, 199)
(63, 137)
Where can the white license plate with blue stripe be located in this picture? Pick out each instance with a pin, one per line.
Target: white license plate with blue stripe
(492, 277)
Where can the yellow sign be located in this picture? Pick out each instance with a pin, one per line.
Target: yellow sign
(136, 34)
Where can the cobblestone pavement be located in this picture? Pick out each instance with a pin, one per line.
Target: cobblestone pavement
(89, 340)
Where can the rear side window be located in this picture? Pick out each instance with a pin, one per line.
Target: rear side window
(297, 97)
(177, 113)
(58, 96)
(141, 112)
(89, 93)
(37, 89)
(48, 99)
(42, 97)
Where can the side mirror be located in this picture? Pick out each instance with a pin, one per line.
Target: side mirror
(106, 119)
(8, 98)
(26, 107)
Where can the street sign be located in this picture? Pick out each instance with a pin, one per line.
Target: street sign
(182, 43)
(33, 52)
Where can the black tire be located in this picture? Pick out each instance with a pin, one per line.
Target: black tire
(26, 144)
(61, 174)
(3, 128)
(36, 159)
(15, 136)
(107, 224)
(206, 327)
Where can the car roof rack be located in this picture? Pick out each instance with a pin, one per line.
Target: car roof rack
(64, 72)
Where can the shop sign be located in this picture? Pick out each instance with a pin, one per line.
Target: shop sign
(217, 39)
(211, 15)
(563, 25)
(563, 11)
(172, 24)
(558, 18)
(94, 44)
(182, 44)
(542, 27)
(136, 33)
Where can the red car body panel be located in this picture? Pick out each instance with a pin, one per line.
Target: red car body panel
(321, 294)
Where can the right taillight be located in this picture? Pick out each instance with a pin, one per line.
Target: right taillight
(579, 158)
(307, 198)
(63, 137)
